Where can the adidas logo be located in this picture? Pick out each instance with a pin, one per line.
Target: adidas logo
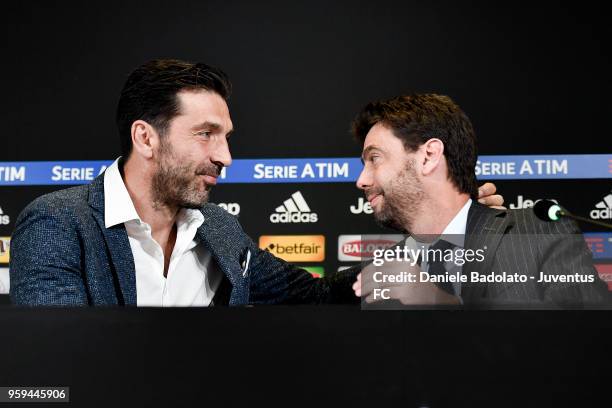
(294, 210)
(603, 209)
(4, 219)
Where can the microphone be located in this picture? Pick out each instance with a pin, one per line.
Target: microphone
(548, 210)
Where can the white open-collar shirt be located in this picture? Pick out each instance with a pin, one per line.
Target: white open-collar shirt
(454, 233)
(192, 278)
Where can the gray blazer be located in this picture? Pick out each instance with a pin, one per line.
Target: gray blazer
(62, 254)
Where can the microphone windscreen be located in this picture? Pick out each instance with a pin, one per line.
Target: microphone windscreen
(547, 210)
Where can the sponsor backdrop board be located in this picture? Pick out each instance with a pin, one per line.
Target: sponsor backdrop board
(300, 74)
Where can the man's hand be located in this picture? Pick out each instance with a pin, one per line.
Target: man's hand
(487, 196)
(408, 293)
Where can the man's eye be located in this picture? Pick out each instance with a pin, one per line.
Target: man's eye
(204, 133)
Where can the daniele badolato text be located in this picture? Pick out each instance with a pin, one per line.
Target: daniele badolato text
(387, 260)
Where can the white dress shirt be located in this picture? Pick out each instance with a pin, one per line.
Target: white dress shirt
(454, 232)
(192, 278)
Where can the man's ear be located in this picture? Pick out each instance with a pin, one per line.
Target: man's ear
(144, 139)
(433, 153)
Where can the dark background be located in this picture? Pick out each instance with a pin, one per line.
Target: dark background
(533, 77)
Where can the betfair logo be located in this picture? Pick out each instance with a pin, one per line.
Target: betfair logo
(295, 248)
(603, 209)
(294, 210)
(4, 218)
(5, 244)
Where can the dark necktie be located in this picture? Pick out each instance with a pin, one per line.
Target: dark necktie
(437, 267)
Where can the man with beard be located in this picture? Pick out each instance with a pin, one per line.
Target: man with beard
(143, 233)
(419, 154)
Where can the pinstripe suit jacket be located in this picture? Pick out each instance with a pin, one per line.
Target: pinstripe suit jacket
(62, 254)
(518, 242)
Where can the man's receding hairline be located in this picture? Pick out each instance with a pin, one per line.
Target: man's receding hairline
(190, 90)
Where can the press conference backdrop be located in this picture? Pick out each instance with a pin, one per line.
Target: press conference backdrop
(533, 79)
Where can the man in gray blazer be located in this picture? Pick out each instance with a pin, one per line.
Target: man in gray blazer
(419, 154)
(142, 233)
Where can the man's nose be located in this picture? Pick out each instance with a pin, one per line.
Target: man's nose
(365, 179)
(221, 153)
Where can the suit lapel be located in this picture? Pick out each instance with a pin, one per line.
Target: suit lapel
(485, 229)
(117, 244)
(227, 248)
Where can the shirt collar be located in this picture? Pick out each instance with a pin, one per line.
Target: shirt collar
(455, 230)
(189, 218)
(118, 205)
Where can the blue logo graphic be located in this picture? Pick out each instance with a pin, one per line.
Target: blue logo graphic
(320, 170)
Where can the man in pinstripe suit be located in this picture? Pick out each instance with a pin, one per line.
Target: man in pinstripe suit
(419, 154)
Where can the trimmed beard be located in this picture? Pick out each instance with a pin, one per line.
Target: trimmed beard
(176, 184)
(401, 201)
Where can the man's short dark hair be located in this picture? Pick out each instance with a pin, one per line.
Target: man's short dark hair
(150, 94)
(415, 119)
